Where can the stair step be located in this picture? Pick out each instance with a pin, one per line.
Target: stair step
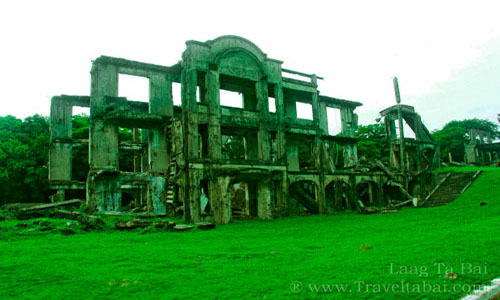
(450, 189)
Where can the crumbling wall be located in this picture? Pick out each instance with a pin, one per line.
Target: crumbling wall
(179, 165)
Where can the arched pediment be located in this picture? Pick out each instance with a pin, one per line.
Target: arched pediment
(239, 63)
(227, 42)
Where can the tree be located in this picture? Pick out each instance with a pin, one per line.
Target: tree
(455, 134)
(373, 142)
(23, 159)
(80, 161)
(24, 152)
(233, 147)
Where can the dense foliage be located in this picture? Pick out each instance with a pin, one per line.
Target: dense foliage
(24, 153)
(23, 159)
(373, 142)
(24, 146)
(455, 134)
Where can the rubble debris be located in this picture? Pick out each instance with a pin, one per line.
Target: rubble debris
(140, 223)
(183, 227)
(52, 205)
(205, 225)
(89, 221)
(369, 210)
(143, 215)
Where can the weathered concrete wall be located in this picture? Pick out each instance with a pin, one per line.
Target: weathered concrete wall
(183, 161)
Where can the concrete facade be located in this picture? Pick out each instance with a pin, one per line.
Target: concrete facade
(209, 161)
(481, 150)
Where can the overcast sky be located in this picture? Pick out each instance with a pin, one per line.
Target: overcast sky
(446, 54)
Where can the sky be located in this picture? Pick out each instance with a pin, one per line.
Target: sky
(446, 54)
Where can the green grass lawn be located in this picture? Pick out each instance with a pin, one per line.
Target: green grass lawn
(289, 257)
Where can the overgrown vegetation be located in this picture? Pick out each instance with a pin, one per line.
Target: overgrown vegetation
(24, 153)
(286, 258)
(373, 142)
(23, 159)
(24, 149)
(452, 137)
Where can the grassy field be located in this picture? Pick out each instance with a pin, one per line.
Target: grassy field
(406, 255)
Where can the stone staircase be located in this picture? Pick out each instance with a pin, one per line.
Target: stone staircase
(170, 187)
(172, 168)
(450, 188)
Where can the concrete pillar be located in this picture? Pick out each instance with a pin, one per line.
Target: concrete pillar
(316, 110)
(350, 155)
(158, 193)
(419, 150)
(290, 105)
(160, 95)
(190, 107)
(315, 102)
(264, 138)
(103, 190)
(264, 209)
(159, 158)
(323, 118)
(280, 135)
(194, 178)
(214, 115)
(191, 147)
(60, 151)
(160, 103)
(337, 202)
(292, 156)
(220, 199)
(252, 146)
(321, 194)
(103, 137)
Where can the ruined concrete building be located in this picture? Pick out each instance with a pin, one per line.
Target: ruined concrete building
(481, 150)
(213, 162)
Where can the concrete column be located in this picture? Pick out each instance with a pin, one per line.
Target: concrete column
(158, 196)
(315, 102)
(160, 103)
(189, 83)
(214, 115)
(316, 109)
(160, 95)
(194, 178)
(220, 199)
(290, 107)
(322, 207)
(252, 147)
(103, 152)
(292, 155)
(350, 155)
(280, 135)
(264, 210)
(323, 118)
(103, 189)
(264, 138)
(159, 158)
(60, 151)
